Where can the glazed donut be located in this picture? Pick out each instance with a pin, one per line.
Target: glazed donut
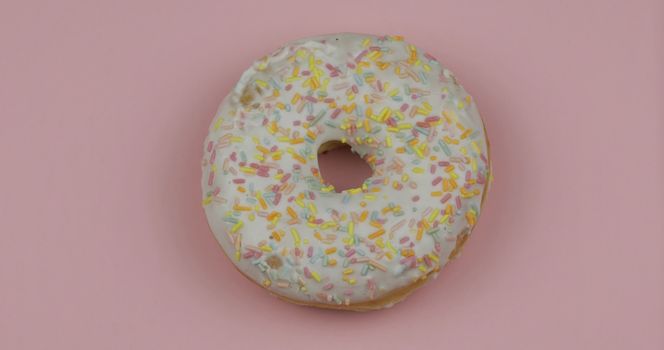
(363, 248)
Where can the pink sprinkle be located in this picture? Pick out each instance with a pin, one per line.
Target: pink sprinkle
(298, 251)
(233, 157)
(427, 260)
(277, 198)
(288, 87)
(404, 107)
(307, 273)
(335, 114)
(328, 286)
(415, 198)
(217, 190)
(480, 178)
(248, 254)
(355, 89)
(360, 55)
(446, 197)
(436, 181)
(310, 252)
(350, 65)
(328, 100)
(213, 156)
(403, 240)
(458, 202)
(432, 169)
(211, 178)
(431, 119)
(209, 146)
(239, 181)
(443, 163)
(468, 175)
(311, 99)
(429, 57)
(350, 252)
(437, 246)
(286, 177)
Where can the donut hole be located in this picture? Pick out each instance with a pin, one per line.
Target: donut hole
(341, 167)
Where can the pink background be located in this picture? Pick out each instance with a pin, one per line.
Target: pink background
(104, 107)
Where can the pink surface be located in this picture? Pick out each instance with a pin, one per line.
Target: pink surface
(104, 245)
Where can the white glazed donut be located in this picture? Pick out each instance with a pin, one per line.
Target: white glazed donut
(363, 248)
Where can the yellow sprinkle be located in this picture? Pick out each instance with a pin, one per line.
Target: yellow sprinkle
(248, 170)
(266, 248)
(241, 208)
(434, 215)
(315, 275)
(330, 250)
(237, 226)
(475, 147)
(296, 236)
(388, 141)
(217, 124)
(261, 83)
(389, 245)
(418, 170)
(444, 218)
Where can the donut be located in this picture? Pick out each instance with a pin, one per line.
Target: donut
(365, 248)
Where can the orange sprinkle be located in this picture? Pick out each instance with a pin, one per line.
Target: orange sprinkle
(377, 234)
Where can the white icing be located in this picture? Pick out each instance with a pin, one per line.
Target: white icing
(240, 125)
